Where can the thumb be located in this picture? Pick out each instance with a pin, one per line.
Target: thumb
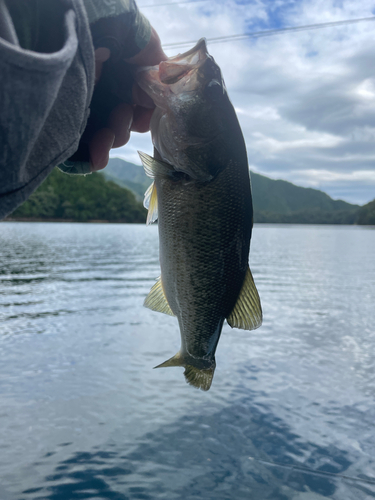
(102, 54)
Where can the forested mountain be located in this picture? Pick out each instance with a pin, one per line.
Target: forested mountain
(283, 197)
(274, 200)
(366, 214)
(81, 198)
(115, 195)
(282, 201)
(128, 175)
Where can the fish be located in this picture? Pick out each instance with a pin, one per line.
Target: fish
(201, 199)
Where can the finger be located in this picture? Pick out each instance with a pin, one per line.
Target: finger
(120, 121)
(102, 54)
(151, 55)
(99, 147)
(141, 98)
(141, 119)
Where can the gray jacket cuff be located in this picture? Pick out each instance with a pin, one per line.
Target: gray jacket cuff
(75, 167)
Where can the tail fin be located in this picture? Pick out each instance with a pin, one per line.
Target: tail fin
(202, 379)
(198, 377)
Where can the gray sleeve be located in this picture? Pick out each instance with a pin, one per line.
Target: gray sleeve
(44, 102)
(122, 28)
(130, 19)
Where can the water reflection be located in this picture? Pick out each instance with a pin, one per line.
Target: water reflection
(237, 452)
(291, 412)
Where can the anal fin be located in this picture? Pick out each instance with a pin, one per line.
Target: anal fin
(247, 312)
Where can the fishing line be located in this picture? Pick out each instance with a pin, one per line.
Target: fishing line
(169, 3)
(301, 468)
(259, 34)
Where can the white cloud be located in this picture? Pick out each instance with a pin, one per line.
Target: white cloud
(305, 101)
(330, 176)
(313, 140)
(366, 90)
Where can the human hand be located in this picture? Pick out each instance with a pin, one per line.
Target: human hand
(119, 106)
(125, 118)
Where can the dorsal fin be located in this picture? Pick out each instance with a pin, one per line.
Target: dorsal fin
(247, 313)
(156, 299)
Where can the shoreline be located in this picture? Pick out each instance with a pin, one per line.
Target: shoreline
(35, 219)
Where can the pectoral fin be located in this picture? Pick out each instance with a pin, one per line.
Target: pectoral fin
(155, 168)
(156, 299)
(151, 203)
(247, 313)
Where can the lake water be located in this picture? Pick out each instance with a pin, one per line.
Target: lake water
(291, 411)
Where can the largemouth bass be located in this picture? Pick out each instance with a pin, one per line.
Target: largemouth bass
(201, 197)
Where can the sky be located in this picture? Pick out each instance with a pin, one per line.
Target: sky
(305, 100)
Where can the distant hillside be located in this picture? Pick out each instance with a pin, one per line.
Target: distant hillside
(282, 201)
(128, 175)
(274, 200)
(283, 197)
(80, 198)
(366, 214)
(106, 196)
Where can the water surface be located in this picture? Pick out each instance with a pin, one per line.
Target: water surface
(291, 411)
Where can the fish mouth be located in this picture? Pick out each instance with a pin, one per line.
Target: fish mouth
(177, 67)
(188, 73)
(200, 46)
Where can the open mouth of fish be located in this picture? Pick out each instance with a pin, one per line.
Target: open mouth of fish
(181, 73)
(178, 67)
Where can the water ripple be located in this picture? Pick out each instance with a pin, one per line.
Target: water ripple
(291, 411)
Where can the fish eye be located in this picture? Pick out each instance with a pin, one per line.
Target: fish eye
(214, 90)
(180, 176)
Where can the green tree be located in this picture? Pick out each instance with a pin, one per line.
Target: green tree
(366, 214)
(81, 198)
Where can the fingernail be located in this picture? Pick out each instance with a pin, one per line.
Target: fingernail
(102, 54)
